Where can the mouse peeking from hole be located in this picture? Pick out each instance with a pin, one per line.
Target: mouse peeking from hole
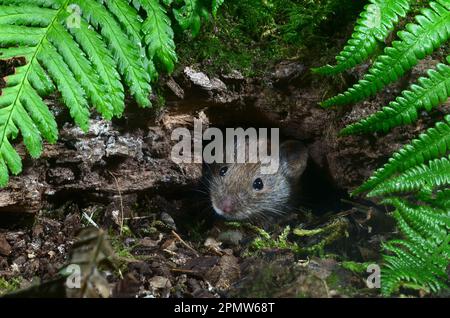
(241, 191)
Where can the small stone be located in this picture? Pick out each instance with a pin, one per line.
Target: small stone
(234, 75)
(38, 231)
(5, 248)
(198, 78)
(232, 238)
(159, 282)
(147, 242)
(168, 220)
(20, 260)
(217, 84)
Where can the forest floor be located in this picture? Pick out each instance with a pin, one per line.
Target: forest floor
(152, 259)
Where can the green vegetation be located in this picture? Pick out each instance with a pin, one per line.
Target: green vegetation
(414, 179)
(9, 285)
(250, 35)
(322, 237)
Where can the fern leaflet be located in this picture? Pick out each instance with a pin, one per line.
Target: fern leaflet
(216, 5)
(159, 35)
(423, 257)
(435, 174)
(432, 144)
(430, 92)
(420, 39)
(374, 24)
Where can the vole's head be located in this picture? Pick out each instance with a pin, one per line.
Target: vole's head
(240, 191)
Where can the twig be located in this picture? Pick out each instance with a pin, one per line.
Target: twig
(184, 243)
(120, 200)
(361, 207)
(185, 271)
(90, 220)
(139, 217)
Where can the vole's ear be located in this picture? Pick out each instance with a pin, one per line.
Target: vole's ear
(293, 158)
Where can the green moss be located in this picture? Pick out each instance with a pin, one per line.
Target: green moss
(357, 268)
(265, 241)
(323, 237)
(249, 35)
(118, 245)
(10, 285)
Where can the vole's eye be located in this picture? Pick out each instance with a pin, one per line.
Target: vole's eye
(222, 171)
(258, 184)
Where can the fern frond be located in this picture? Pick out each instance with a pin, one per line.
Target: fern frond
(432, 28)
(71, 91)
(215, 6)
(404, 267)
(423, 256)
(125, 51)
(48, 46)
(128, 18)
(104, 64)
(433, 143)
(75, 58)
(159, 34)
(55, 4)
(432, 224)
(440, 199)
(20, 35)
(409, 233)
(416, 259)
(40, 114)
(374, 24)
(430, 92)
(435, 174)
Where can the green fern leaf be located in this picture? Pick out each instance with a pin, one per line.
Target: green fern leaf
(39, 35)
(71, 91)
(431, 224)
(125, 51)
(91, 83)
(374, 25)
(128, 18)
(430, 92)
(435, 174)
(25, 15)
(104, 64)
(410, 262)
(215, 6)
(431, 30)
(432, 144)
(159, 35)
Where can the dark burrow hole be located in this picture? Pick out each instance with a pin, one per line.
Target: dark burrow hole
(319, 195)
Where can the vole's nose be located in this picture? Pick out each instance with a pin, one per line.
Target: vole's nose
(227, 205)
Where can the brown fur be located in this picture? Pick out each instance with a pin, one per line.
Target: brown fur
(237, 185)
